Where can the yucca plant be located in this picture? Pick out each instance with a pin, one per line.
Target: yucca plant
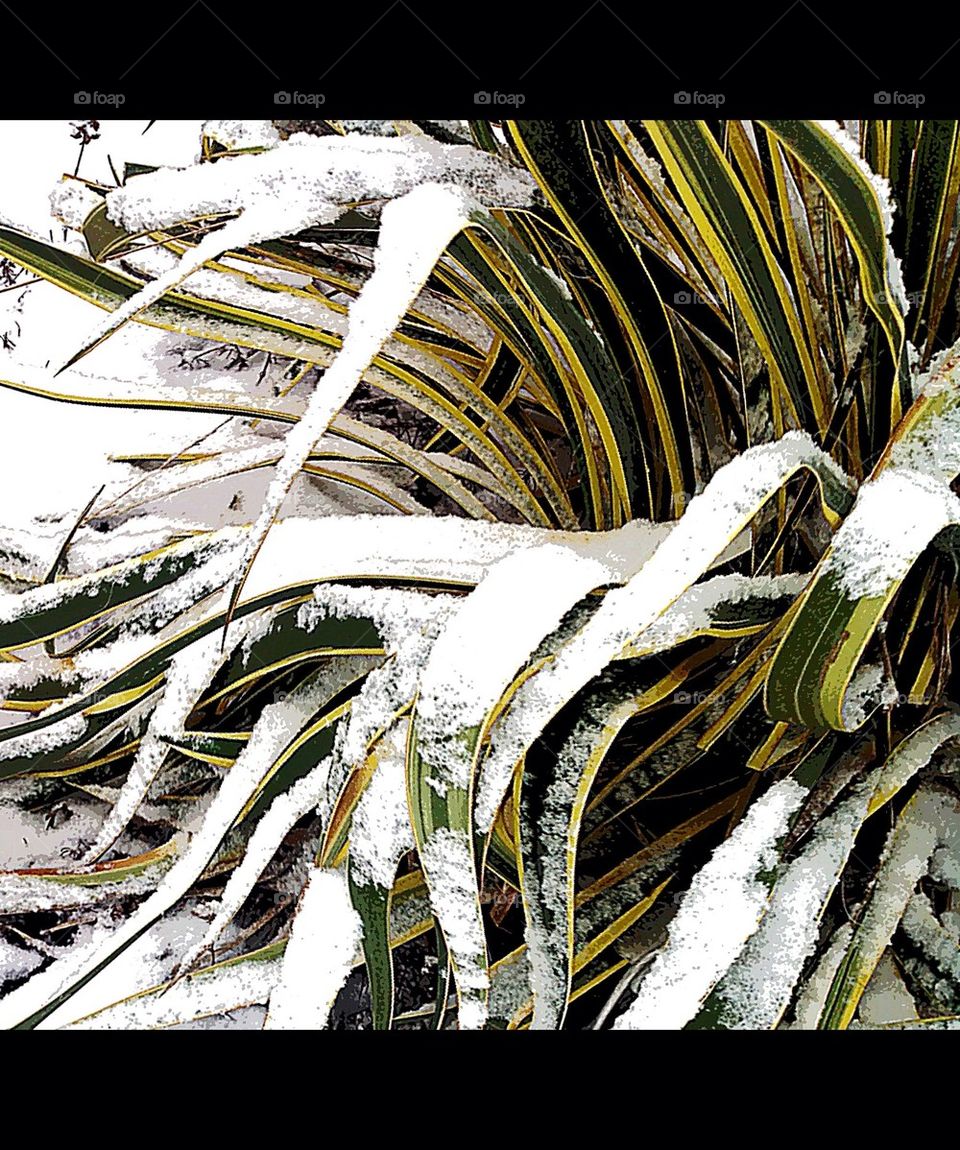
(633, 706)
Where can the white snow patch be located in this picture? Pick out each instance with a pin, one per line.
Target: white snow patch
(16, 961)
(696, 609)
(380, 831)
(46, 738)
(718, 914)
(451, 879)
(937, 943)
(886, 999)
(757, 988)
(904, 861)
(484, 645)
(896, 515)
(209, 993)
(306, 180)
(407, 623)
(72, 201)
(932, 444)
(813, 995)
(319, 955)
(242, 133)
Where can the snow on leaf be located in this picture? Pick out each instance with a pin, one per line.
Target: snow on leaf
(225, 988)
(271, 732)
(46, 739)
(884, 200)
(698, 608)
(414, 231)
(319, 956)
(16, 962)
(932, 443)
(904, 861)
(551, 813)
(711, 520)
(235, 134)
(935, 941)
(305, 179)
(874, 550)
(487, 641)
(757, 989)
(284, 812)
(719, 912)
(447, 861)
(380, 831)
(868, 689)
(189, 674)
(51, 595)
(407, 623)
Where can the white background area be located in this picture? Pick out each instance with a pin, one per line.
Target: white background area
(53, 455)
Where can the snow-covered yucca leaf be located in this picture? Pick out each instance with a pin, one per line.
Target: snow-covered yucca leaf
(269, 749)
(461, 684)
(553, 794)
(899, 512)
(318, 956)
(95, 874)
(905, 860)
(57, 608)
(720, 911)
(380, 834)
(217, 990)
(757, 989)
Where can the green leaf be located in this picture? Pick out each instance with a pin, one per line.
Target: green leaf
(855, 198)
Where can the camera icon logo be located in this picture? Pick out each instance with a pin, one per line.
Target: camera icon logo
(481, 97)
(881, 97)
(281, 97)
(681, 97)
(81, 97)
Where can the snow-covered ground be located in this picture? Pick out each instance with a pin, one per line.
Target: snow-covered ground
(53, 456)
